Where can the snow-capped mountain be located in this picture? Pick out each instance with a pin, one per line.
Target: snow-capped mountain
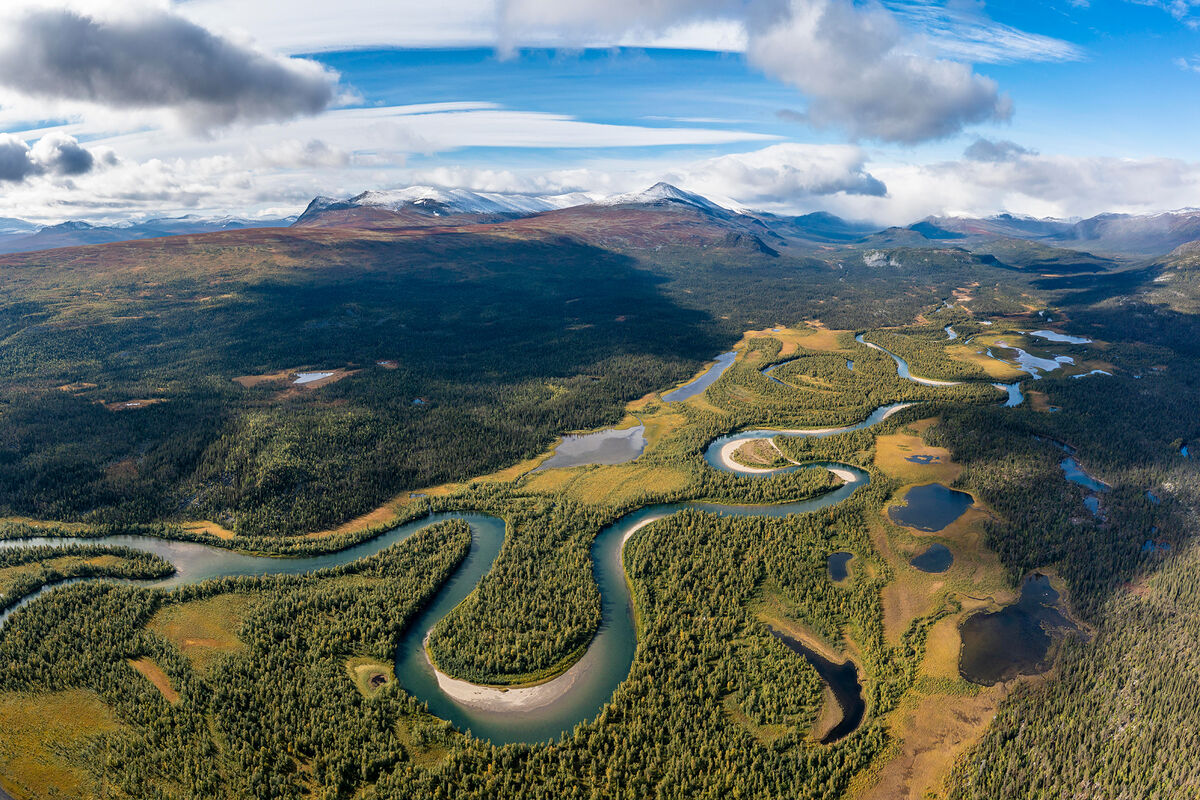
(664, 194)
(432, 201)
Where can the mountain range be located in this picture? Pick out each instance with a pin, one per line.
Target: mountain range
(660, 215)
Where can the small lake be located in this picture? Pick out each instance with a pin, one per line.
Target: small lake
(850, 365)
(1061, 338)
(842, 680)
(937, 558)
(1015, 396)
(839, 566)
(1000, 645)
(950, 334)
(310, 377)
(706, 380)
(610, 446)
(930, 508)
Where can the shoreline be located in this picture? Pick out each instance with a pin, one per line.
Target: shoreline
(520, 698)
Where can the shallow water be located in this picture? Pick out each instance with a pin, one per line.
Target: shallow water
(712, 453)
(709, 377)
(930, 508)
(937, 558)
(1000, 645)
(1015, 395)
(1061, 338)
(309, 377)
(1076, 474)
(838, 565)
(1035, 365)
(611, 446)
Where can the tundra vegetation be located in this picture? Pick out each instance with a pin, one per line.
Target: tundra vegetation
(278, 687)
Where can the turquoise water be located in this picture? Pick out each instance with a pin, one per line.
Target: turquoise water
(602, 669)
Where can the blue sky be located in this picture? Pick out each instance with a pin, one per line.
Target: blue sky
(785, 105)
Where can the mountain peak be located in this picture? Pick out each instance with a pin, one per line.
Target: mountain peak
(663, 193)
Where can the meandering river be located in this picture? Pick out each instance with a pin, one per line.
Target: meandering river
(534, 714)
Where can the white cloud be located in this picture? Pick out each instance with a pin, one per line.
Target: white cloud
(1033, 184)
(859, 73)
(961, 29)
(782, 175)
(1188, 64)
(857, 66)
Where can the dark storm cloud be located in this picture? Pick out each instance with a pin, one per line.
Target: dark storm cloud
(54, 154)
(158, 60)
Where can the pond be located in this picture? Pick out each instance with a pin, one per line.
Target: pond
(839, 566)
(1061, 338)
(311, 377)
(937, 558)
(998, 646)
(842, 680)
(611, 446)
(930, 508)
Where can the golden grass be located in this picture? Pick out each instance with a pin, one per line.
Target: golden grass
(134, 404)
(932, 731)
(893, 451)
(370, 674)
(1039, 401)
(550, 481)
(906, 599)
(250, 381)
(154, 673)
(758, 453)
(423, 756)
(73, 527)
(994, 368)
(46, 736)
(623, 483)
(210, 528)
(204, 630)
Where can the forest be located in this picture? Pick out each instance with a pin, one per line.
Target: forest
(293, 693)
